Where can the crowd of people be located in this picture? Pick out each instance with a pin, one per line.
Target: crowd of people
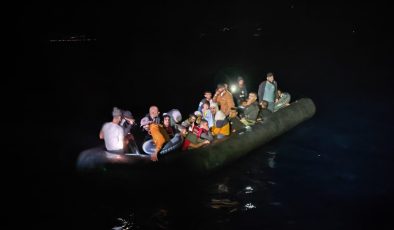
(227, 112)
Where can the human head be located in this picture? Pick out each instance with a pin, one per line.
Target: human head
(154, 111)
(220, 116)
(221, 87)
(145, 122)
(208, 95)
(127, 114)
(270, 77)
(166, 120)
(233, 112)
(214, 108)
(264, 104)
(198, 115)
(116, 115)
(192, 118)
(182, 129)
(279, 92)
(205, 105)
(204, 124)
(240, 80)
(252, 97)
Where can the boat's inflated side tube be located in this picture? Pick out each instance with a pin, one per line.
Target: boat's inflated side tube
(211, 157)
(175, 142)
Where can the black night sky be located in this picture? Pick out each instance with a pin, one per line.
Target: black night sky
(340, 54)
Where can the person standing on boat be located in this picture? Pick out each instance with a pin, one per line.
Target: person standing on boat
(113, 134)
(128, 122)
(239, 91)
(207, 98)
(268, 91)
(224, 99)
(206, 114)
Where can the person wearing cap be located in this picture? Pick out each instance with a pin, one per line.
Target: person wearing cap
(268, 91)
(113, 134)
(224, 99)
(158, 133)
(239, 91)
(128, 122)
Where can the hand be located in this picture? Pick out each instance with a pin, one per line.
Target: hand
(130, 120)
(153, 157)
(206, 142)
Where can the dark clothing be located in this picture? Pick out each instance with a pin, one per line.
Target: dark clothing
(235, 124)
(262, 88)
(170, 131)
(241, 95)
(252, 111)
(264, 114)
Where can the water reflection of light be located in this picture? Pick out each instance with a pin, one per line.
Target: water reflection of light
(249, 206)
(249, 189)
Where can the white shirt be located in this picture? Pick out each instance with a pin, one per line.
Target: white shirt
(113, 136)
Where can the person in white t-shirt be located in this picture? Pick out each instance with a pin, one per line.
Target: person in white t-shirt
(113, 134)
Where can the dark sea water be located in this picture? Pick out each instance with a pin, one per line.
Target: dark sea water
(333, 171)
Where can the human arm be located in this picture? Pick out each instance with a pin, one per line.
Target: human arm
(195, 146)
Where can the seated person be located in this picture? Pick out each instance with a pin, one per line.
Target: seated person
(158, 133)
(190, 122)
(235, 123)
(152, 116)
(175, 117)
(167, 126)
(264, 112)
(251, 110)
(207, 98)
(202, 131)
(206, 114)
(222, 126)
(198, 115)
(190, 140)
(113, 133)
(283, 100)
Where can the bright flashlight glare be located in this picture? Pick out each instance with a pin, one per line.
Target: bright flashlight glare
(233, 88)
